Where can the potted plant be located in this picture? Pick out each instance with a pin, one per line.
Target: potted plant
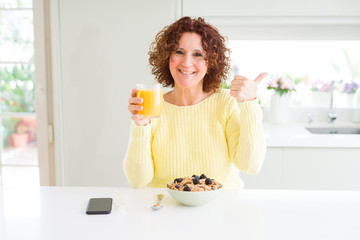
(350, 80)
(20, 138)
(348, 90)
(319, 92)
(282, 86)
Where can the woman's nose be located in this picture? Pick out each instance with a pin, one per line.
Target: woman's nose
(187, 60)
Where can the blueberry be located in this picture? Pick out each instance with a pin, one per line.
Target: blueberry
(177, 180)
(195, 181)
(187, 189)
(208, 181)
(202, 176)
(211, 188)
(195, 176)
(177, 186)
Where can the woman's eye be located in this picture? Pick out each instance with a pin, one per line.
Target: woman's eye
(198, 55)
(178, 52)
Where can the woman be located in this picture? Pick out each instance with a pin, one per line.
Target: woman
(201, 130)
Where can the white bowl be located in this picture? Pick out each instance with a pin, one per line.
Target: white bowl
(194, 198)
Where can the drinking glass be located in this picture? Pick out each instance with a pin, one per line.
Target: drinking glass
(152, 95)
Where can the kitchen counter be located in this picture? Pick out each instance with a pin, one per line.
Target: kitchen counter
(295, 135)
(59, 213)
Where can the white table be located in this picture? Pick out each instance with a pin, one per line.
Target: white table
(59, 213)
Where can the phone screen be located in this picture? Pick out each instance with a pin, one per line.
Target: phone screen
(99, 206)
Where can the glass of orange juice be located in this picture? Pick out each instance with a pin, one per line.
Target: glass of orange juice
(152, 95)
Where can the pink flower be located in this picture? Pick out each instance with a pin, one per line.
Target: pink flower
(320, 85)
(286, 84)
(281, 85)
(274, 82)
(325, 87)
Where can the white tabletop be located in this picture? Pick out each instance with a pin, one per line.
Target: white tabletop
(59, 213)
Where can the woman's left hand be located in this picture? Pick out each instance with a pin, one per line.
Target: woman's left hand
(244, 89)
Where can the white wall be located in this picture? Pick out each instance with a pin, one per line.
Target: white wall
(102, 54)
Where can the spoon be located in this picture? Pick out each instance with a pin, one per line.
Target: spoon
(157, 205)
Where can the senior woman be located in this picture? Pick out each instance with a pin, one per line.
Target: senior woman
(202, 129)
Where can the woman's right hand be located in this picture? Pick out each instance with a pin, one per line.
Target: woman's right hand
(134, 107)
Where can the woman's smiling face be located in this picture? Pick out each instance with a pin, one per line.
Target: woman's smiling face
(187, 63)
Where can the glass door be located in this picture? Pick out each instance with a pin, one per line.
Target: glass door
(18, 150)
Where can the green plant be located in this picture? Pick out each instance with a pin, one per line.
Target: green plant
(17, 89)
(349, 86)
(225, 85)
(16, 95)
(354, 68)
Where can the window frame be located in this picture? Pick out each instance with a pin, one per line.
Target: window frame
(43, 92)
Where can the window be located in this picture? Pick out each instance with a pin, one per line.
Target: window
(18, 150)
(311, 65)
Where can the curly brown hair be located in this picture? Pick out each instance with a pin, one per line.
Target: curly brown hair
(167, 41)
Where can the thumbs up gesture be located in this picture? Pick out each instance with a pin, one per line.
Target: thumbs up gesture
(244, 89)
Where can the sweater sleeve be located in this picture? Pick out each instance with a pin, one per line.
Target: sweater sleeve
(246, 140)
(138, 163)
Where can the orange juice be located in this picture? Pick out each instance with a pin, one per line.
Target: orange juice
(152, 100)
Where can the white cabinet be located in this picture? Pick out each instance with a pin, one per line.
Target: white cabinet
(308, 168)
(270, 176)
(321, 168)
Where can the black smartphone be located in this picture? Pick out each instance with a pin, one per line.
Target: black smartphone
(99, 206)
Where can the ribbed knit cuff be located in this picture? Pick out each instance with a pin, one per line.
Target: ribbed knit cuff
(138, 128)
(140, 137)
(251, 119)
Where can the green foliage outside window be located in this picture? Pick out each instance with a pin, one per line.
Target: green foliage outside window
(17, 89)
(16, 95)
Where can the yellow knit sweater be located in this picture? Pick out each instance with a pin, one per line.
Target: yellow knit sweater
(216, 137)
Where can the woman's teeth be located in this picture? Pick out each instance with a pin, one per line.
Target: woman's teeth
(186, 72)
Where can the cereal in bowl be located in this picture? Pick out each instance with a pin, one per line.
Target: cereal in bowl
(194, 184)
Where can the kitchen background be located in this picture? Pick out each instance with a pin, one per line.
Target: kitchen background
(90, 54)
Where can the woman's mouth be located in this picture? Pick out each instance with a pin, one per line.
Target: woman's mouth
(186, 72)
